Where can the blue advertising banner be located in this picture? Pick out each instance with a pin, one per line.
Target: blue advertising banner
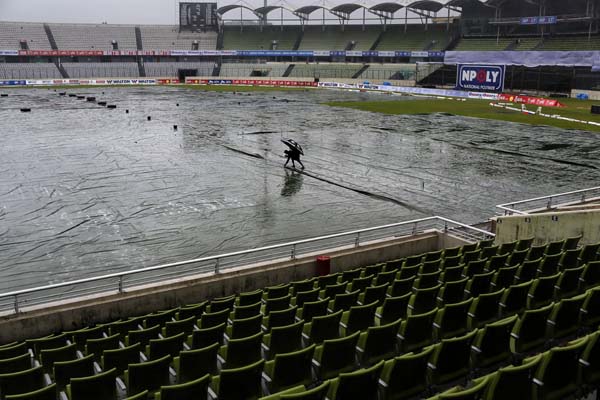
(13, 83)
(547, 20)
(489, 78)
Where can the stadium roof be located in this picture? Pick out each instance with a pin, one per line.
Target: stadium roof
(346, 9)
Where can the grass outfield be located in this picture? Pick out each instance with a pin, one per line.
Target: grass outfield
(578, 109)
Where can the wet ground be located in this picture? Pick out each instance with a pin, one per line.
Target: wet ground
(86, 191)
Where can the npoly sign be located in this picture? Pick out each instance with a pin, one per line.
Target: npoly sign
(480, 77)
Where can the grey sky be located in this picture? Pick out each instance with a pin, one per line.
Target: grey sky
(92, 11)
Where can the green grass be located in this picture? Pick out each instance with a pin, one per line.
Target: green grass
(579, 109)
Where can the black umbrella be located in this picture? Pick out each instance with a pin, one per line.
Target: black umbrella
(292, 144)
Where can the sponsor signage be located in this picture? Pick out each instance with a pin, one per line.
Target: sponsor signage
(419, 54)
(480, 77)
(13, 83)
(250, 82)
(387, 53)
(546, 20)
(9, 52)
(61, 52)
(535, 101)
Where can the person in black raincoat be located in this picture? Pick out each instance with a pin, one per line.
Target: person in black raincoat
(293, 153)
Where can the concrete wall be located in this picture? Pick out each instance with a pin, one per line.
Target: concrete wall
(593, 94)
(551, 226)
(77, 314)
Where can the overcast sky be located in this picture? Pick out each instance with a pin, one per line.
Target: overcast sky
(93, 11)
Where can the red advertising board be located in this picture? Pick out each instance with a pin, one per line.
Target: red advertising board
(61, 52)
(250, 82)
(535, 101)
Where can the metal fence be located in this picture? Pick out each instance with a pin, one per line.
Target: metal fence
(547, 203)
(16, 301)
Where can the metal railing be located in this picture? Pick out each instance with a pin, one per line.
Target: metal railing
(547, 203)
(16, 301)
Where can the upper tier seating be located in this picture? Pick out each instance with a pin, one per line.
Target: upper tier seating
(93, 37)
(11, 34)
(323, 70)
(170, 69)
(248, 69)
(568, 43)
(467, 44)
(252, 38)
(333, 38)
(168, 37)
(415, 38)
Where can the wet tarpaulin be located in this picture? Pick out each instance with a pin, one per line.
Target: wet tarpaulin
(529, 59)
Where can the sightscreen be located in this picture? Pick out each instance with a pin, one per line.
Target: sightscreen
(197, 16)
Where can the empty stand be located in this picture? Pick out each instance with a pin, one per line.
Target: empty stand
(168, 37)
(29, 71)
(171, 68)
(102, 70)
(486, 43)
(12, 33)
(93, 37)
(333, 38)
(415, 38)
(250, 69)
(252, 38)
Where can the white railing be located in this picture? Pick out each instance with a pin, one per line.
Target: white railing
(16, 301)
(547, 203)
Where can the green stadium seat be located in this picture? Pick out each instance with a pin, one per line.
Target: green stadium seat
(361, 283)
(123, 327)
(312, 309)
(589, 252)
(150, 375)
(193, 364)
(432, 255)
(491, 345)
(513, 382)
(385, 277)
(451, 320)
(309, 284)
(80, 367)
(527, 271)
(452, 292)
(373, 269)
(301, 393)
(378, 343)
(536, 252)
(211, 319)
(488, 252)
(283, 339)
(393, 308)
(514, 299)
(451, 252)
(391, 265)
(564, 318)
(335, 356)
(530, 330)
(49, 356)
(451, 261)
(281, 318)
(484, 309)
(171, 345)
(450, 359)
(358, 318)
(568, 283)
(15, 364)
(475, 267)
(326, 280)
(517, 257)
(416, 331)
(13, 350)
(549, 265)
(405, 377)
(81, 336)
(241, 328)
(590, 310)
(589, 370)
(97, 346)
(121, 358)
(332, 290)
(142, 336)
(427, 280)
(241, 352)
(344, 301)
(555, 247)
(475, 391)
(469, 256)
(22, 381)
(542, 291)
(205, 337)
(46, 393)
(507, 247)
(289, 369)
(360, 384)
(159, 318)
(496, 262)
(591, 275)
(101, 386)
(242, 383)
(303, 297)
(248, 298)
(479, 284)
(276, 304)
(323, 327)
(412, 261)
(193, 390)
(523, 244)
(423, 300)
(46, 343)
(407, 272)
(483, 244)
(186, 326)
(557, 376)
(429, 267)
(568, 259)
(401, 287)
(140, 396)
(221, 303)
(192, 310)
(350, 274)
(452, 274)
(504, 277)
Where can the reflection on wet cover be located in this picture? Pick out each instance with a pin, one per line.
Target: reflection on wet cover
(292, 183)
